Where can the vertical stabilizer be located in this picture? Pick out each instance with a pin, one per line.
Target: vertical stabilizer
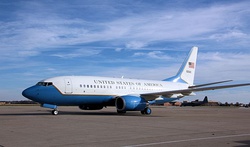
(187, 71)
(205, 100)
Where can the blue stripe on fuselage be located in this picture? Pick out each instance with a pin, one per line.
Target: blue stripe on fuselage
(51, 95)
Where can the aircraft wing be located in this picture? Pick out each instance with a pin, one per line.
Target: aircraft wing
(202, 85)
(188, 91)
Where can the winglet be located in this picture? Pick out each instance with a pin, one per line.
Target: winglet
(187, 71)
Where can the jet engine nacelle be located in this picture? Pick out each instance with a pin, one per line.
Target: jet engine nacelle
(130, 103)
(91, 107)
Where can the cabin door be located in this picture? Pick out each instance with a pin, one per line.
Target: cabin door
(68, 86)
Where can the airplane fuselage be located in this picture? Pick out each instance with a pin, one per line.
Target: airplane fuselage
(79, 90)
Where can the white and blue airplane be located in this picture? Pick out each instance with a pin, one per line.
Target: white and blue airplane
(94, 93)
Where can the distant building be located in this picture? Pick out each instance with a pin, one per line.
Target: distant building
(17, 102)
(2, 103)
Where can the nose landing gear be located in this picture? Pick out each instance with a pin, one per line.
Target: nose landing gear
(55, 112)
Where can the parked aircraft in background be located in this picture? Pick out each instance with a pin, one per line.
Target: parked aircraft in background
(195, 103)
(94, 93)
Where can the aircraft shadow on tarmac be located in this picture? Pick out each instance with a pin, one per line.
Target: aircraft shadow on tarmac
(24, 113)
(76, 113)
(245, 143)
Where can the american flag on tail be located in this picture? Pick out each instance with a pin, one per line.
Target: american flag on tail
(191, 64)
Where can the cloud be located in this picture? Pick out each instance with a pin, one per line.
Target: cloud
(231, 34)
(188, 25)
(76, 54)
(118, 49)
(28, 53)
(135, 45)
(154, 54)
(44, 29)
(214, 66)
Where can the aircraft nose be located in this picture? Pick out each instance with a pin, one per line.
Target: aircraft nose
(25, 93)
(29, 92)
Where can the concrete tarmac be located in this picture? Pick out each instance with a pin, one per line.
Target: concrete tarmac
(29, 126)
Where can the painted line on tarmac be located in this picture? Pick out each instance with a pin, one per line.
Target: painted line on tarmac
(186, 140)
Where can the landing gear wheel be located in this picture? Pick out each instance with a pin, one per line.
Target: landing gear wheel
(146, 111)
(55, 112)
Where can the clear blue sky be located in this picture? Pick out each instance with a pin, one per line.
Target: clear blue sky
(132, 38)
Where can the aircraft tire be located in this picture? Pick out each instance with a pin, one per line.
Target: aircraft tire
(55, 112)
(147, 111)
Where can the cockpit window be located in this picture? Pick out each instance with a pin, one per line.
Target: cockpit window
(50, 83)
(44, 84)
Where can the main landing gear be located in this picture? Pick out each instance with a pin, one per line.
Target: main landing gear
(54, 112)
(146, 111)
